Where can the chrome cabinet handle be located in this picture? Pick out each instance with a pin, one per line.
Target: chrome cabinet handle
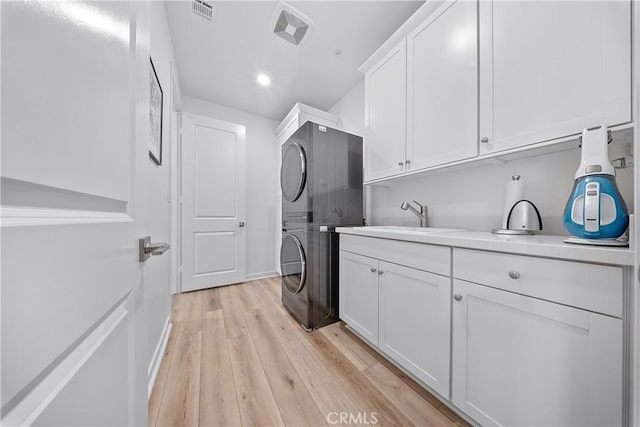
(457, 297)
(484, 139)
(400, 163)
(514, 274)
(373, 270)
(146, 248)
(380, 272)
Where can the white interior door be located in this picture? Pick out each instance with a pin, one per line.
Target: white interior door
(212, 203)
(73, 145)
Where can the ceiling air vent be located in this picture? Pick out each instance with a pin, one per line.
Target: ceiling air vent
(202, 8)
(290, 24)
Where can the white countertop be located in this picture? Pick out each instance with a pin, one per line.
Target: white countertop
(535, 245)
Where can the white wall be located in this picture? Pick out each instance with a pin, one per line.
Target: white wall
(350, 110)
(261, 174)
(472, 198)
(157, 293)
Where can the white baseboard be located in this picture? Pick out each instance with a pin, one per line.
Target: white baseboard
(154, 366)
(258, 276)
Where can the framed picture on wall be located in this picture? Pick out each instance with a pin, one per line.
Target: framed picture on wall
(155, 116)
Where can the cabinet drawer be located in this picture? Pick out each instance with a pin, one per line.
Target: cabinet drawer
(436, 259)
(592, 287)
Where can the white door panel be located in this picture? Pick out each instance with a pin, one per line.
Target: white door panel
(215, 252)
(52, 299)
(70, 128)
(75, 405)
(215, 173)
(213, 202)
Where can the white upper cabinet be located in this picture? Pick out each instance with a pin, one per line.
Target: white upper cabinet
(442, 87)
(476, 78)
(385, 115)
(549, 69)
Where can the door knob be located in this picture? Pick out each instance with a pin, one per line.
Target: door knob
(484, 140)
(241, 224)
(457, 297)
(146, 248)
(373, 270)
(380, 272)
(514, 274)
(400, 163)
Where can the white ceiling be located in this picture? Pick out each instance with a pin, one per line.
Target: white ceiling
(218, 60)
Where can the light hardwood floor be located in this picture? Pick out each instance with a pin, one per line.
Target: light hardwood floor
(236, 357)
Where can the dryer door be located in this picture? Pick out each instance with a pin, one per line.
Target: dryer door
(293, 174)
(293, 264)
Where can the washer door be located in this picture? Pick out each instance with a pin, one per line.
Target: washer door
(293, 173)
(293, 264)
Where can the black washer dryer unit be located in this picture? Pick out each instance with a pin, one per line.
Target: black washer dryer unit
(321, 180)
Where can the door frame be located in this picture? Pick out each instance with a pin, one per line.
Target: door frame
(175, 132)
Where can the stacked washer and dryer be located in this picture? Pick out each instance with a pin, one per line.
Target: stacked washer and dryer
(321, 180)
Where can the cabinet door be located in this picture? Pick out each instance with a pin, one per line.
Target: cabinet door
(442, 87)
(518, 360)
(415, 322)
(359, 294)
(385, 115)
(550, 69)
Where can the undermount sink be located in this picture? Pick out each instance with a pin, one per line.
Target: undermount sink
(410, 229)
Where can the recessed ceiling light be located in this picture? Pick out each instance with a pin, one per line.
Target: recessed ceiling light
(263, 79)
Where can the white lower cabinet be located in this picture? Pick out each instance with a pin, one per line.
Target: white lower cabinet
(522, 361)
(415, 313)
(507, 339)
(358, 303)
(402, 310)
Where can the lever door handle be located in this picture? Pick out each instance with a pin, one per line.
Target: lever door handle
(146, 248)
(156, 248)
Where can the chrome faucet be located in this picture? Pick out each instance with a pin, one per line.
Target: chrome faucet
(422, 213)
